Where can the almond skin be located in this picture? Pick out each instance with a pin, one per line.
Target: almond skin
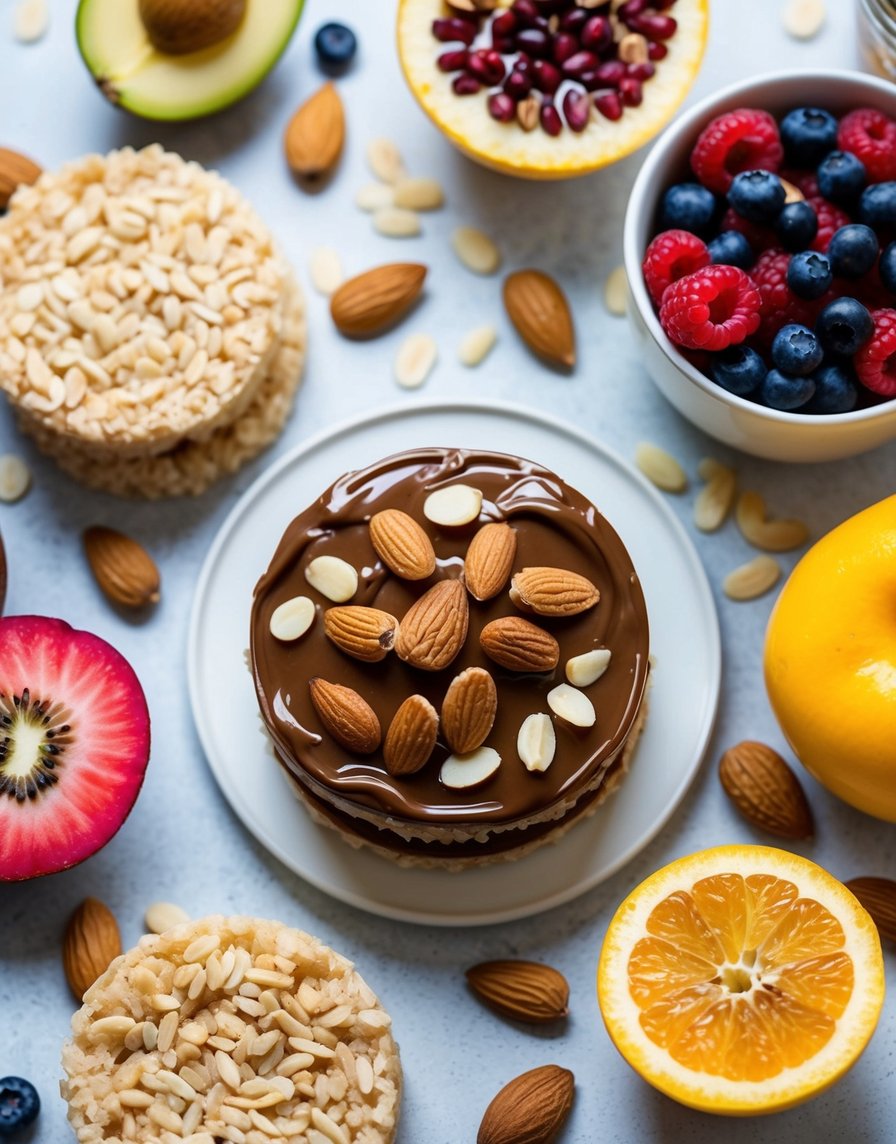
(15, 170)
(469, 709)
(375, 300)
(90, 945)
(350, 719)
(522, 990)
(315, 135)
(364, 633)
(552, 592)
(878, 896)
(516, 644)
(411, 736)
(530, 1109)
(489, 560)
(765, 790)
(435, 627)
(538, 308)
(402, 545)
(124, 570)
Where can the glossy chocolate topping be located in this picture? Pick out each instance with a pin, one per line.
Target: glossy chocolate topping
(555, 526)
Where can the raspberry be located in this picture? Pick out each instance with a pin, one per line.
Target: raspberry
(830, 219)
(870, 136)
(671, 256)
(780, 306)
(742, 140)
(875, 362)
(759, 237)
(711, 309)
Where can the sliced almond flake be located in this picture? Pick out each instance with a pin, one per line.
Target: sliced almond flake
(477, 345)
(476, 250)
(462, 771)
(325, 269)
(374, 197)
(15, 478)
(384, 160)
(752, 579)
(161, 916)
(415, 359)
(32, 18)
(803, 19)
(536, 742)
(616, 291)
(419, 194)
(770, 535)
(714, 501)
(660, 468)
(394, 222)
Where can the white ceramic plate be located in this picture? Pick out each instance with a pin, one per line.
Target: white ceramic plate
(683, 699)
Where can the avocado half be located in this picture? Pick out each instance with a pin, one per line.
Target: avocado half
(136, 76)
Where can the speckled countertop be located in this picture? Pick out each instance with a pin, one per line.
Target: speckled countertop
(182, 842)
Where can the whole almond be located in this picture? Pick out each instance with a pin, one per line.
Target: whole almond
(552, 591)
(346, 715)
(411, 736)
(15, 170)
(765, 790)
(530, 1109)
(469, 709)
(124, 570)
(878, 896)
(371, 302)
(402, 545)
(90, 945)
(315, 135)
(523, 990)
(364, 633)
(538, 309)
(518, 645)
(489, 560)
(435, 627)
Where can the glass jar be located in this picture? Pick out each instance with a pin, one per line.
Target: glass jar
(877, 36)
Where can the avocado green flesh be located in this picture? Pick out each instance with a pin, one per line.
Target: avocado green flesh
(133, 74)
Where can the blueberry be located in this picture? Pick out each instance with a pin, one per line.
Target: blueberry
(841, 177)
(335, 45)
(853, 250)
(809, 274)
(688, 206)
(796, 226)
(796, 350)
(887, 267)
(738, 369)
(781, 391)
(757, 195)
(808, 133)
(877, 206)
(19, 1104)
(835, 391)
(731, 248)
(843, 326)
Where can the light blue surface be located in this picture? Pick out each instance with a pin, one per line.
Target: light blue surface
(182, 842)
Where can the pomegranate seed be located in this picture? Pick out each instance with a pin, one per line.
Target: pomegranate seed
(449, 30)
(630, 91)
(654, 27)
(597, 34)
(523, 63)
(503, 45)
(590, 80)
(487, 66)
(641, 71)
(501, 107)
(611, 72)
(574, 20)
(631, 9)
(550, 120)
(609, 104)
(576, 110)
(527, 13)
(580, 62)
(504, 24)
(534, 41)
(465, 84)
(454, 60)
(546, 77)
(563, 47)
(518, 85)
(656, 50)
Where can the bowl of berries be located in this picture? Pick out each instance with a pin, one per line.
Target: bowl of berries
(759, 247)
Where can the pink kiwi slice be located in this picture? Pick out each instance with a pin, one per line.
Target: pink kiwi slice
(74, 744)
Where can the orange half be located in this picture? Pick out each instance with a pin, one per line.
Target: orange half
(741, 980)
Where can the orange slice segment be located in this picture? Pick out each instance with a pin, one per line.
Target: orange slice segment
(741, 980)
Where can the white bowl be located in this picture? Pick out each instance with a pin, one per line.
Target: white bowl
(734, 420)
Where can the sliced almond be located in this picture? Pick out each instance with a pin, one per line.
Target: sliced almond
(415, 359)
(453, 506)
(752, 579)
(489, 560)
(434, 629)
(634, 49)
(374, 197)
(375, 300)
(660, 468)
(715, 499)
(552, 591)
(517, 645)
(572, 705)
(541, 315)
(460, 772)
(15, 478)
(527, 112)
(803, 19)
(346, 715)
(291, 619)
(393, 222)
(770, 535)
(402, 545)
(536, 742)
(469, 709)
(32, 18)
(419, 194)
(792, 193)
(367, 634)
(476, 250)
(476, 345)
(616, 291)
(315, 135)
(326, 270)
(162, 916)
(411, 736)
(583, 670)
(385, 161)
(333, 577)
